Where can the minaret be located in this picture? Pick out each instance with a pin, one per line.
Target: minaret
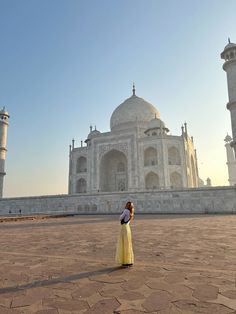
(229, 55)
(4, 116)
(208, 182)
(231, 162)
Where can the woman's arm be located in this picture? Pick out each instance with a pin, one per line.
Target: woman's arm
(122, 216)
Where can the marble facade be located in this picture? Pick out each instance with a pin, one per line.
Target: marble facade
(137, 154)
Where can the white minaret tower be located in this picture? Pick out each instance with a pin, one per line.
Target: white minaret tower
(229, 55)
(231, 162)
(4, 116)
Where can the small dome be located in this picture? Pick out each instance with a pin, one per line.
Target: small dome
(132, 110)
(230, 45)
(228, 48)
(156, 124)
(3, 111)
(92, 134)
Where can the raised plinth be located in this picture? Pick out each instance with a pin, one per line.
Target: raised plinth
(194, 200)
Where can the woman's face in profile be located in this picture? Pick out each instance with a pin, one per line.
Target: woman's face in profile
(128, 205)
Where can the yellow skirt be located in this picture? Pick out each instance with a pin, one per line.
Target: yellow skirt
(124, 249)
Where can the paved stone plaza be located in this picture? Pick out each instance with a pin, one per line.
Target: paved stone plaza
(183, 264)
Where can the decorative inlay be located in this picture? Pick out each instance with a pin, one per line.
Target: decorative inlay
(122, 147)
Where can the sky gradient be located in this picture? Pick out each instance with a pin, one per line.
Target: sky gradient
(66, 64)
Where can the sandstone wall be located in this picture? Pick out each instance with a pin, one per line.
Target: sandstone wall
(198, 200)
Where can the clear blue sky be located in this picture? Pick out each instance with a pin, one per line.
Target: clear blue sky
(66, 64)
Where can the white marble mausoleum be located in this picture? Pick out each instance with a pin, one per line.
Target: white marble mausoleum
(136, 160)
(137, 154)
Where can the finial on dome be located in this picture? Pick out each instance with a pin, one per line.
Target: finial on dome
(91, 128)
(229, 40)
(133, 89)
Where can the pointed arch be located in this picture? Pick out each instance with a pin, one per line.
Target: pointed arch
(81, 164)
(150, 156)
(174, 156)
(113, 172)
(81, 186)
(176, 180)
(152, 181)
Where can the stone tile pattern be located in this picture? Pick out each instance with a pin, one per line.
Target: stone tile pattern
(183, 264)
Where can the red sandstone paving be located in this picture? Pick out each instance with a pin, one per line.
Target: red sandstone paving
(229, 294)
(183, 264)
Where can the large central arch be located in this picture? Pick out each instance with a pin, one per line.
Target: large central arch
(113, 172)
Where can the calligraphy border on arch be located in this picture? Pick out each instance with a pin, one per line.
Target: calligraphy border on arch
(122, 147)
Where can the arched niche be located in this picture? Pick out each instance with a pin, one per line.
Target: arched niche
(152, 181)
(81, 186)
(174, 156)
(113, 172)
(150, 156)
(81, 164)
(176, 180)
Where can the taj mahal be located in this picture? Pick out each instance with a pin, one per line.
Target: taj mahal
(137, 154)
(137, 159)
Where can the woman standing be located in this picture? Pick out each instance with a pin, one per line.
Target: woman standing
(124, 249)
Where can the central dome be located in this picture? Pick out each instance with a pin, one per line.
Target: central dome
(133, 110)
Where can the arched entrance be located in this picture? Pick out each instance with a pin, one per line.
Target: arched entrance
(113, 172)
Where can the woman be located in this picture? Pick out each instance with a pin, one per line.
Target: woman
(124, 249)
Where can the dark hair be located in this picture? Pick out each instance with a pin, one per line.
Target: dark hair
(129, 205)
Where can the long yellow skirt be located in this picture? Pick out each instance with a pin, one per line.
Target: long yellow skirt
(124, 249)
